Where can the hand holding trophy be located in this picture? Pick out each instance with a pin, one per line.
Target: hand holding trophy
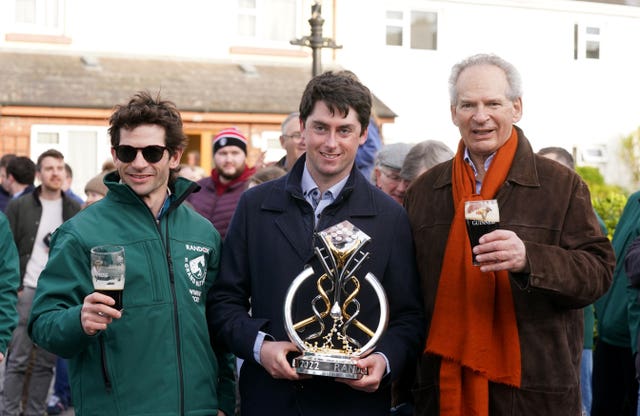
(332, 349)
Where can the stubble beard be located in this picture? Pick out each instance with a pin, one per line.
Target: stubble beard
(229, 177)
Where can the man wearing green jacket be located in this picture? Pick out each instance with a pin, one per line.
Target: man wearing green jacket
(615, 388)
(9, 282)
(155, 356)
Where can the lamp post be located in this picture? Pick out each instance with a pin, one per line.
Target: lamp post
(316, 42)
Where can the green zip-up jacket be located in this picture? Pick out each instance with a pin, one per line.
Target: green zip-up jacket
(157, 359)
(618, 312)
(9, 281)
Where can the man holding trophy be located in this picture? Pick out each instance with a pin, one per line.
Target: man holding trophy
(317, 289)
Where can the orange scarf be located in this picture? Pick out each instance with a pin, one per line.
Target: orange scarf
(474, 325)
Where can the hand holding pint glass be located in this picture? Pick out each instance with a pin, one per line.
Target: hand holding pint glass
(107, 272)
(482, 217)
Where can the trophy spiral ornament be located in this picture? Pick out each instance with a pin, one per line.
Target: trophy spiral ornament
(332, 349)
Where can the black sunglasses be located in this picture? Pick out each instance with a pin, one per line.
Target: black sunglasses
(151, 154)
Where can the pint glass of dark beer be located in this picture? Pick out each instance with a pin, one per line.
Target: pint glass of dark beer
(482, 217)
(107, 272)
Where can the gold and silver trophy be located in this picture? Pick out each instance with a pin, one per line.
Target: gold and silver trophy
(339, 338)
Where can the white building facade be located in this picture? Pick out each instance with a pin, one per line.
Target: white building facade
(578, 59)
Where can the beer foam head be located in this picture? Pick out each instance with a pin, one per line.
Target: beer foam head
(482, 211)
(108, 285)
(108, 277)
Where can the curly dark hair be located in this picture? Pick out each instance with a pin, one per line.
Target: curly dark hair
(142, 109)
(339, 91)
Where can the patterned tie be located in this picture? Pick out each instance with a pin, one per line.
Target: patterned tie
(315, 197)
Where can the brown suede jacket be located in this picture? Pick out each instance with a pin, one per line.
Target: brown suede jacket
(569, 265)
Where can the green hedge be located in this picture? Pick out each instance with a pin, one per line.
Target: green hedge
(607, 200)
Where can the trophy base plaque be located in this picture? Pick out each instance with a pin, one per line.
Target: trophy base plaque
(328, 365)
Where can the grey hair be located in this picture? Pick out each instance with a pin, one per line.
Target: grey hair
(513, 76)
(288, 119)
(423, 156)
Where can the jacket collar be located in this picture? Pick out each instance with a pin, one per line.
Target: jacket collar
(296, 219)
(35, 193)
(121, 192)
(220, 188)
(356, 187)
(523, 170)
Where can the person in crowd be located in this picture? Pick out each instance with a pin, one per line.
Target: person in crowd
(245, 307)
(265, 174)
(171, 256)
(9, 282)
(615, 387)
(33, 218)
(21, 174)
(291, 141)
(95, 189)
(632, 267)
(217, 199)
(565, 158)
(108, 166)
(60, 399)
(422, 157)
(192, 169)
(67, 185)
(5, 195)
(419, 158)
(367, 151)
(504, 337)
(386, 171)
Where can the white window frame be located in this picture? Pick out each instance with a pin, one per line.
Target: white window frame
(593, 154)
(84, 169)
(261, 26)
(40, 26)
(582, 37)
(396, 23)
(269, 142)
(405, 23)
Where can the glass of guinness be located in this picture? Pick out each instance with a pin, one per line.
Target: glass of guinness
(482, 217)
(107, 272)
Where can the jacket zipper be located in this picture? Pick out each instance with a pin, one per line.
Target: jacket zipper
(172, 207)
(105, 371)
(175, 311)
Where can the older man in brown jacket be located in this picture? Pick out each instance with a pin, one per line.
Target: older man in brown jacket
(504, 337)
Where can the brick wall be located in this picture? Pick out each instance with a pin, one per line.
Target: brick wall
(15, 132)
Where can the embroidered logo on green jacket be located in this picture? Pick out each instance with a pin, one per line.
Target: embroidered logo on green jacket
(196, 269)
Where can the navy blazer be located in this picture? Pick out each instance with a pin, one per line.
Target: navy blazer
(269, 242)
